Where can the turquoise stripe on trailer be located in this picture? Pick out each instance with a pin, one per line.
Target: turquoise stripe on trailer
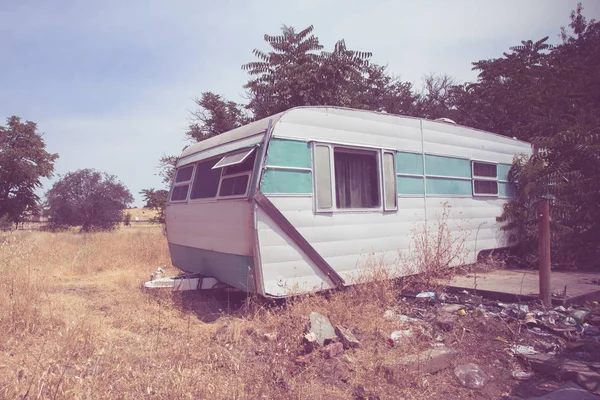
(283, 181)
(288, 153)
(448, 186)
(503, 171)
(410, 185)
(409, 163)
(232, 269)
(447, 166)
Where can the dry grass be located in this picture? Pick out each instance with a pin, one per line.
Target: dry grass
(76, 324)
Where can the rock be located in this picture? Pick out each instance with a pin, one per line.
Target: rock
(589, 380)
(570, 368)
(332, 350)
(303, 360)
(331, 339)
(321, 327)
(470, 375)
(522, 375)
(310, 342)
(544, 363)
(348, 359)
(346, 336)
(270, 337)
(400, 338)
(425, 362)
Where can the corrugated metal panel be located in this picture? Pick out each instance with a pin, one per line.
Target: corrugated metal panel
(350, 126)
(224, 226)
(347, 241)
(459, 141)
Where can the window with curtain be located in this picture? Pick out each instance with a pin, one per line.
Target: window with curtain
(356, 179)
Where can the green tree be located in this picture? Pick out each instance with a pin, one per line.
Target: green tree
(549, 95)
(89, 199)
(296, 71)
(156, 200)
(23, 161)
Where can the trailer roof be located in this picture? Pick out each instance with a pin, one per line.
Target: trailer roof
(259, 127)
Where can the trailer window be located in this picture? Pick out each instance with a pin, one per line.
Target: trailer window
(206, 181)
(356, 179)
(389, 181)
(237, 169)
(323, 177)
(485, 178)
(184, 174)
(181, 186)
(234, 186)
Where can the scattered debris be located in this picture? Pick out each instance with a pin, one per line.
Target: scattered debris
(346, 336)
(428, 296)
(470, 375)
(270, 337)
(400, 338)
(522, 375)
(426, 362)
(525, 350)
(310, 342)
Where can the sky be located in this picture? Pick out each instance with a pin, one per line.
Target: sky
(111, 83)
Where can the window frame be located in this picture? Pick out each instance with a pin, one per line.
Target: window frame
(187, 183)
(383, 185)
(204, 199)
(475, 178)
(217, 159)
(233, 196)
(378, 152)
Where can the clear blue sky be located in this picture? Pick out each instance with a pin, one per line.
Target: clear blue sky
(110, 83)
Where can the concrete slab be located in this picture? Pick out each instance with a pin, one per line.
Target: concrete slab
(512, 284)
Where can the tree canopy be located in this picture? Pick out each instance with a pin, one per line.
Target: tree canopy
(550, 95)
(23, 161)
(156, 200)
(89, 199)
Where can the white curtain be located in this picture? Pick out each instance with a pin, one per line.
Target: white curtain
(356, 180)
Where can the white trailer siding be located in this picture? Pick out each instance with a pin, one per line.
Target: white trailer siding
(434, 172)
(351, 243)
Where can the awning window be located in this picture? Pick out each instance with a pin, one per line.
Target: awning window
(234, 159)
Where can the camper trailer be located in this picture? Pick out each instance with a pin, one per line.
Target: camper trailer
(315, 198)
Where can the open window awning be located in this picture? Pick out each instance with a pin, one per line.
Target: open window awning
(234, 159)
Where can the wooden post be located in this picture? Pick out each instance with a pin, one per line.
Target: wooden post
(543, 214)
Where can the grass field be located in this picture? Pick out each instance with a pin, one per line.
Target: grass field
(77, 325)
